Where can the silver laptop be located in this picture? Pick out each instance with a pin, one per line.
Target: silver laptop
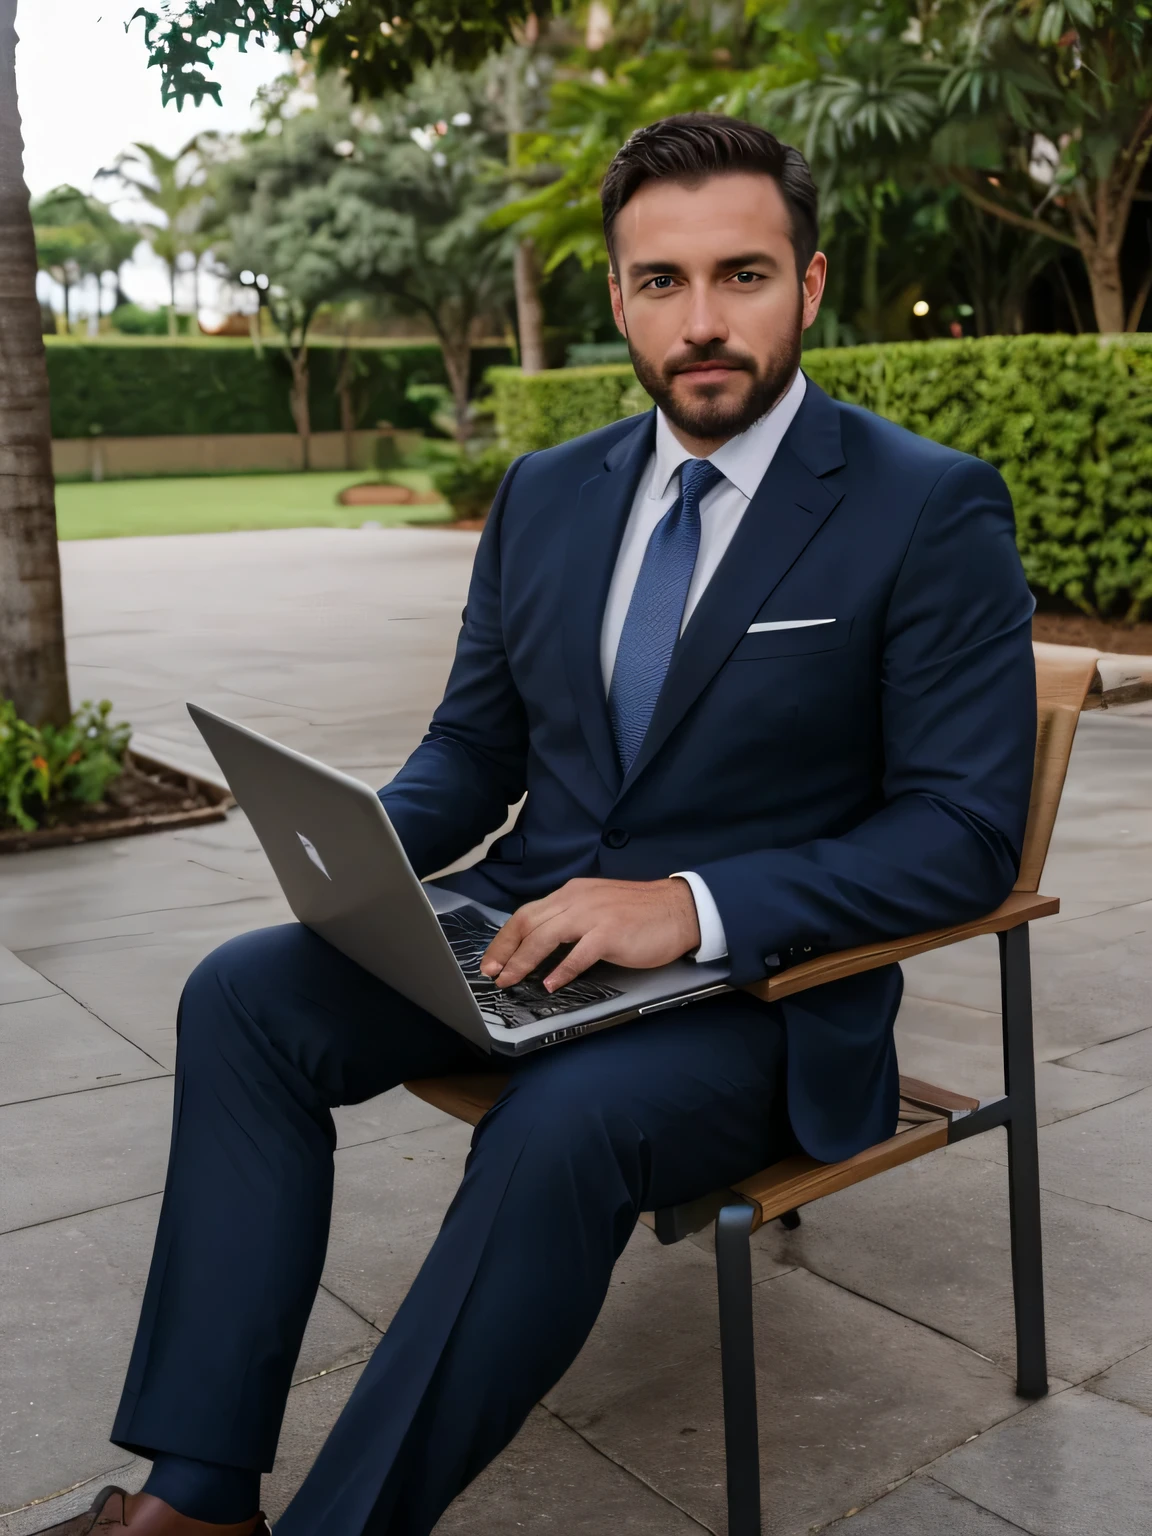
(341, 866)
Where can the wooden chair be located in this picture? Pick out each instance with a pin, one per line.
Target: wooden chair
(1068, 679)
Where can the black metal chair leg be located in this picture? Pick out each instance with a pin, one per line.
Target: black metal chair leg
(738, 1368)
(1023, 1163)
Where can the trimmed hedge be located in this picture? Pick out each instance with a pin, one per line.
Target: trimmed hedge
(140, 387)
(1067, 421)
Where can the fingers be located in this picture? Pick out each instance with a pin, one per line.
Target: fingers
(508, 940)
(578, 959)
(534, 946)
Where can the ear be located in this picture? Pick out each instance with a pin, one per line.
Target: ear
(617, 304)
(813, 287)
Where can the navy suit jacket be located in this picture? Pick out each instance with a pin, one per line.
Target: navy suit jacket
(834, 785)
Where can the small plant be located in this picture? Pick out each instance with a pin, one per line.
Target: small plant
(45, 767)
(471, 481)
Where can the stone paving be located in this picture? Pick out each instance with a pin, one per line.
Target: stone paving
(884, 1323)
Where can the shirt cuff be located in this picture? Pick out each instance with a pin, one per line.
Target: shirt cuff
(713, 942)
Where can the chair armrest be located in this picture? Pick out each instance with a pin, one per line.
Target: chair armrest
(1021, 907)
(1120, 680)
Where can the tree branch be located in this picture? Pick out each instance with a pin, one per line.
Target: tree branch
(1137, 150)
(1142, 295)
(1010, 216)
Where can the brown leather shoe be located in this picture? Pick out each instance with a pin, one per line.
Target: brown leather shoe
(143, 1515)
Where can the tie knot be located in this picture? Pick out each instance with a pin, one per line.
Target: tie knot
(697, 477)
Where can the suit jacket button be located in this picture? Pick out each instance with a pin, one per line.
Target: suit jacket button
(615, 837)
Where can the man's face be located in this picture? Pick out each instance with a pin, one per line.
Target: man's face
(706, 293)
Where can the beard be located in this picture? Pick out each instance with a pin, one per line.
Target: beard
(710, 414)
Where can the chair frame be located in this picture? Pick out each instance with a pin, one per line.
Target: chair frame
(1069, 680)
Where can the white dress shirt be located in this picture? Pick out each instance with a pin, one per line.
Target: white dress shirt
(743, 461)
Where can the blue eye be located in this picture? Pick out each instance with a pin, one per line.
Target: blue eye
(659, 282)
(747, 277)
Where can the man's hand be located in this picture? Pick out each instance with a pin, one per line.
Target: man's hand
(638, 923)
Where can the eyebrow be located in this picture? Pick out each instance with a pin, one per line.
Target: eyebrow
(638, 269)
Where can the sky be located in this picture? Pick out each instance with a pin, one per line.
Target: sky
(86, 93)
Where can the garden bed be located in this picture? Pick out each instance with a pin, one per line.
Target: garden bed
(149, 796)
(1096, 634)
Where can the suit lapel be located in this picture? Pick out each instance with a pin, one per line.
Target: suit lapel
(791, 505)
(602, 509)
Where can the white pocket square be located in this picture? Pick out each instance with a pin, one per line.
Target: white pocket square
(762, 629)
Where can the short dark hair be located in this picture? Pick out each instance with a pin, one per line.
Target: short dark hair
(695, 145)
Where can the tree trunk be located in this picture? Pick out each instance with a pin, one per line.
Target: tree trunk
(344, 396)
(457, 350)
(529, 309)
(1103, 266)
(32, 666)
(172, 297)
(298, 401)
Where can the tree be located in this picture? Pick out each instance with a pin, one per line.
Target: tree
(173, 186)
(78, 236)
(32, 666)
(1049, 124)
(377, 46)
(388, 200)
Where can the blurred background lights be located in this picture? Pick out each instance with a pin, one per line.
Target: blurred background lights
(920, 307)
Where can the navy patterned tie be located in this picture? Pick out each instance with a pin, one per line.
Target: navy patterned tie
(656, 610)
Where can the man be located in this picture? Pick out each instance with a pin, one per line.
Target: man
(757, 641)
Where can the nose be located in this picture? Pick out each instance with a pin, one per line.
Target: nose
(704, 320)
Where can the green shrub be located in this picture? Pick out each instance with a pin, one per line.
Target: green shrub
(147, 387)
(471, 480)
(132, 320)
(1067, 421)
(45, 767)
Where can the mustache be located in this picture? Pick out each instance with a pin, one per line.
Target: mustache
(710, 352)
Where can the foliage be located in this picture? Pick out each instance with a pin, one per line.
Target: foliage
(145, 388)
(1048, 121)
(78, 236)
(133, 320)
(175, 187)
(1068, 422)
(1040, 115)
(43, 768)
(536, 410)
(378, 46)
(470, 481)
(387, 202)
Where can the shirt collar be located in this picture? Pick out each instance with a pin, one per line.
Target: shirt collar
(742, 460)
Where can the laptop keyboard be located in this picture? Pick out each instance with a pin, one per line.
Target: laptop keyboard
(469, 933)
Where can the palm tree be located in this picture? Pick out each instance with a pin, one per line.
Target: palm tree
(859, 127)
(32, 667)
(78, 236)
(174, 187)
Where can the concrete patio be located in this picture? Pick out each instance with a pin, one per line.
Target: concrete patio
(884, 1324)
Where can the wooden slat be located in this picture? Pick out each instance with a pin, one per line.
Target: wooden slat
(1021, 907)
(919, 1092)
(799, 1180)
(1123, 680)
(1055, 732)
(1065, 674)
(468, 1096)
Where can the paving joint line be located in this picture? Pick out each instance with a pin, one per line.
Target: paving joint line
(71, 1093)
(91, 1210)
(628, 1471)
(91, 1012)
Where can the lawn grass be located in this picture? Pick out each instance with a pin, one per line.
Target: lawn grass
(114, 509)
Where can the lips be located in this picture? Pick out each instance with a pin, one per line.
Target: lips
(707, 373)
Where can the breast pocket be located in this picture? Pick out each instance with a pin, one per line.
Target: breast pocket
(802, 640)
